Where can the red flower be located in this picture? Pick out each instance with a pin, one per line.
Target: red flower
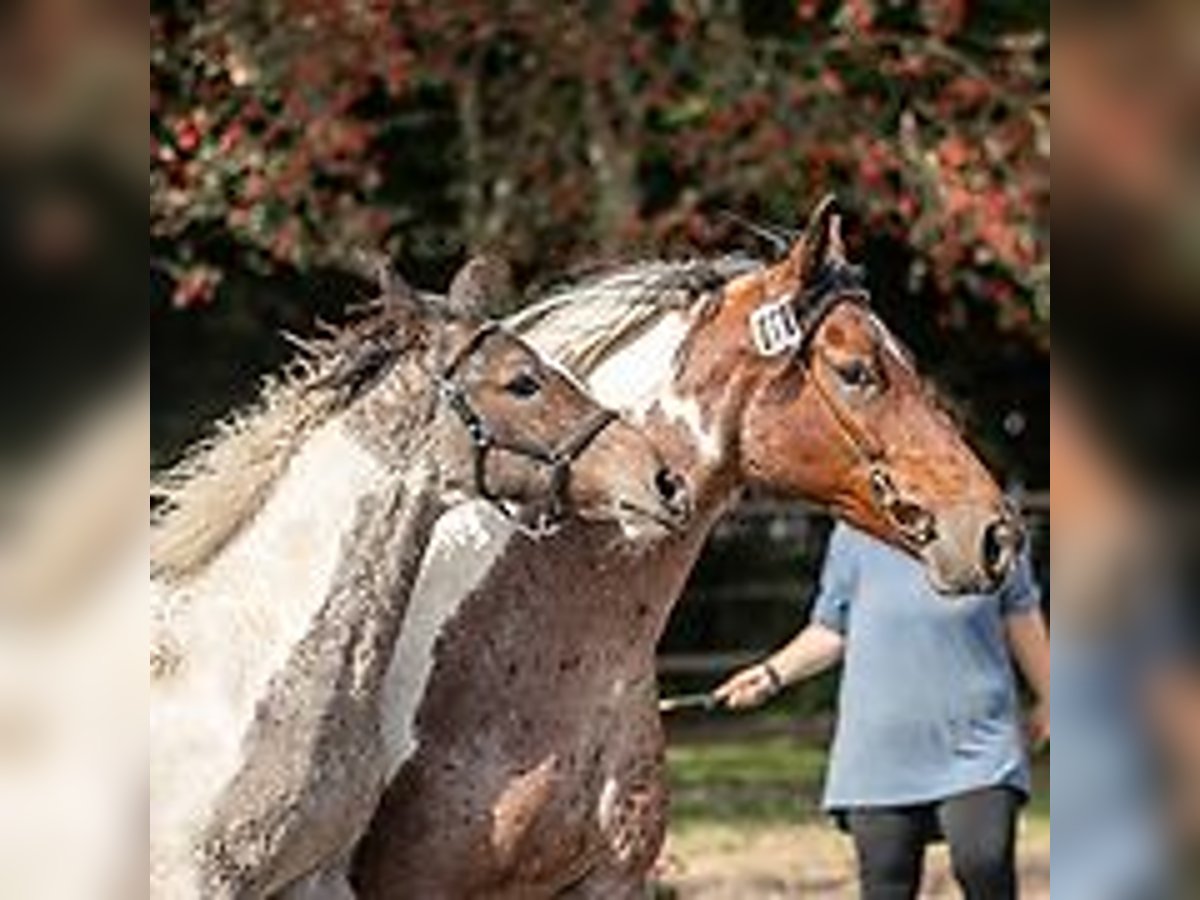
(187, 136)
(861, 14)
(954, 152)
(231, 137)
(806, 10)
(944, 17)
(832, 81)
(196, 286)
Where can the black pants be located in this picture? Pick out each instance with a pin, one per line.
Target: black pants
(979, 826)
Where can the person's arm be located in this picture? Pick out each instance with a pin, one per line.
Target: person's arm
(1029, 644)
(810, 652)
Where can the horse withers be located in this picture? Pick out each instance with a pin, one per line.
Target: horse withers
(536, 765)
(285, 552)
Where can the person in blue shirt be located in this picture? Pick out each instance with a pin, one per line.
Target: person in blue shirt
(929, 739)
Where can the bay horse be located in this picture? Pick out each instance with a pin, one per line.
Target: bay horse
(538, 762)
(286, 554)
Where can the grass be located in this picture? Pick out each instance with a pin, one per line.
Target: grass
(746, 821)
(747, 782)
(772, 780)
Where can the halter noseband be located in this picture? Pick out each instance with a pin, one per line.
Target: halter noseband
(484, 440)
(789, 326)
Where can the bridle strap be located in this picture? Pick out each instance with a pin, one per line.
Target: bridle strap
(814, 313)
(865, 447)
(469, 349)
(834, 286)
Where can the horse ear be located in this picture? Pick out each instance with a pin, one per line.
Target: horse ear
(405, 309)
(821, 244)
(396, 296)
(482, 284)
(398, 293)
(376, 266)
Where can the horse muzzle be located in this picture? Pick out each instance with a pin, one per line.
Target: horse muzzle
(973, 548)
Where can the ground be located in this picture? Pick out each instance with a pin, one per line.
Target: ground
(745, 823)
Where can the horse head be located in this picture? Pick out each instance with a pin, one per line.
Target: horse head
(834, 410)
(508, 426)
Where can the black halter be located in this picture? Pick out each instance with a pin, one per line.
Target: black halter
(484, 440)
(833, 286)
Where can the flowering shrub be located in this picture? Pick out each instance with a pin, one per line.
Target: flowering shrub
(296, 132)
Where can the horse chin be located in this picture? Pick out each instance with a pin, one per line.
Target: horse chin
(642, 531)
(638, 527)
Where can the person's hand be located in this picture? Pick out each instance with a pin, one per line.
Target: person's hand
(748, 688)
(1037, 725)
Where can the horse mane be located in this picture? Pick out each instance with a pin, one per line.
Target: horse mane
(581, 324)
(224, 479)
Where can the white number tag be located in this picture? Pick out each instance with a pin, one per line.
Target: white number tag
(774, 328)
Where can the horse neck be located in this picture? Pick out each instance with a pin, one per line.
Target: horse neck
(291, 634)
(328, 695)
(241, 615)
(684, 406)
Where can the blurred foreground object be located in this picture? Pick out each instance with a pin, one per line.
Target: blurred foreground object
(1113, 836)
(1124, 447)
(73, 664)
(74, 394)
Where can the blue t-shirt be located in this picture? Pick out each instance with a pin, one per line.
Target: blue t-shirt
(928, 704)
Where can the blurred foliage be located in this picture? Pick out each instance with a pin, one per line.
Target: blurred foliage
(288, 134)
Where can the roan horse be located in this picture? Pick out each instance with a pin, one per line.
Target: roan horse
(286, 555)
(538, 761)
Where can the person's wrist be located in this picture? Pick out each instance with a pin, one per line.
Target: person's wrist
(773, 677)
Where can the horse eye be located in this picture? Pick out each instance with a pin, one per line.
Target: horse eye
(856, 374)
(523, 385)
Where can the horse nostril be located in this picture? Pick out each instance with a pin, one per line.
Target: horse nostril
(999, 539)
(914, 521)
(668, 484)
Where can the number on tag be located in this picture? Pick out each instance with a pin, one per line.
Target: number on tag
(774, 328)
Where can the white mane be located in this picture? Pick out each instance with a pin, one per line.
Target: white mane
(222, 481)
(582, 324)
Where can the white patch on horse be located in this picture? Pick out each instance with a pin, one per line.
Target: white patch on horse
(240, 619)
(640, 376)
(606, 806)
(687, 411)
(325, 884)
(635, 377)
(465, 543)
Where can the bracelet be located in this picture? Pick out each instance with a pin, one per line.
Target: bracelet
(773, 677)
